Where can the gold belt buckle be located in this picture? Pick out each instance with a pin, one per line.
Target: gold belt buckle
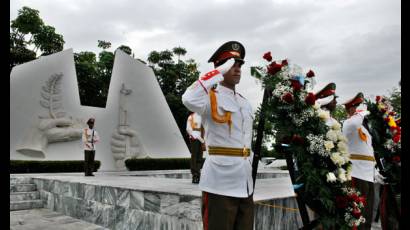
(244, 152)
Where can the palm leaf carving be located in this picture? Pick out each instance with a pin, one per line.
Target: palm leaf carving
(50, 96)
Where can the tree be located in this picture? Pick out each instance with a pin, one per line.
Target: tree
(179, 51)
(394, 98)
(94, 75)
(31, 38)
(173, 79)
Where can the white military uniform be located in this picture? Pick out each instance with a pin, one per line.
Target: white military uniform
(87, 134)
(193, 126)
(353, 130)
(223, 175)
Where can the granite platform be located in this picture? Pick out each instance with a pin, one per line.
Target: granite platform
(164, 200)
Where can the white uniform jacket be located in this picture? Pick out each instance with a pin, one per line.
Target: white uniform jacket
(223, 175)
(193, 125)
(87, 134)
(359, 142)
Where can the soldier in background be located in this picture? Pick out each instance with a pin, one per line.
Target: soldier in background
(90, 138)
(195, 131)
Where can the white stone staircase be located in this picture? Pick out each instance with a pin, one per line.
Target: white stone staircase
(24, 194)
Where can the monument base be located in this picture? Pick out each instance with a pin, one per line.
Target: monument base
(156, 199)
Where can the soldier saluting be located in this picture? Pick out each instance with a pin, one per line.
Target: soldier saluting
(226, 179)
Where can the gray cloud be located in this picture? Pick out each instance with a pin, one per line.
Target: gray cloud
(354, 43)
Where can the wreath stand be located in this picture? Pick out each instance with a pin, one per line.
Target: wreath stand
(282, 148)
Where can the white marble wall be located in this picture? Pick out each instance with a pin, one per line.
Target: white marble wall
(147, 111)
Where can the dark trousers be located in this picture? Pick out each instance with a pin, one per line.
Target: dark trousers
(389, 214)
(89, 162)
(227, 213)
(196, 157)
(366, 189)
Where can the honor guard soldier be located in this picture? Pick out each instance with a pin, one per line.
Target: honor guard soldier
(195, 132)
(361, 152)
(226, 179)
(327, 100)
(90, 138)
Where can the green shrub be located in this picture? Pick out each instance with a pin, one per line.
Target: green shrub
(134, 164)
(20, 166)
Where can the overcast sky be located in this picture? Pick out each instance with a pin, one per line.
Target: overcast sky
(355, 44)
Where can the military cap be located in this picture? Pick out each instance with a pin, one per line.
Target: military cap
(228, 50)
(328, 90)
(91, 121)
(355, 101)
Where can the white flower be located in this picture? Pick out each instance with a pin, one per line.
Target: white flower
(330, 177)
(336, 125)
(342, 147)
(341, 137)
(316, 106)
(342, 175)
(324, 115)
(331, 135)
(329, 145)
(337, 158)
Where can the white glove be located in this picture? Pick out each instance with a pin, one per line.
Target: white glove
(198, 137)
(224, 68)
(378, 178)
(363, 112)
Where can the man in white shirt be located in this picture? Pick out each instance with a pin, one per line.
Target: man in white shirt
(90, 138)
(226, 178)
(194, 130)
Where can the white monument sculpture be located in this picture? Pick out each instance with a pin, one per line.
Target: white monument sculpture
(46, 118)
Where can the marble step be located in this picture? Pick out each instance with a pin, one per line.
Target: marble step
(25, 204)
(21, 180)
(19, 196)
(22, 187)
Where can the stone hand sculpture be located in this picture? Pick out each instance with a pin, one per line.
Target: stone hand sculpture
(49, 130)
(124, 145)
(55, 126)
(124, 140)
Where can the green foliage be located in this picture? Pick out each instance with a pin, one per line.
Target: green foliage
(339, 113)
(134, 164)
(294, 120)
(103, 44)
(21, 166)
(174, 78)
(394, 98)
(384, 147)
(31, 38)
(94, 75)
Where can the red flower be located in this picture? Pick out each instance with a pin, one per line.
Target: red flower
(354, 227)
(267, 56)
(378, 98)
(273, 68)
(396, 138)
(356, 213)
(284, 62)
(398, 121)
(310, 99)
(341, 202)
(296, 85)
(383, 110)
(353, 197)
(310, 74)
(288, 97)
(297, 139)
(396, 159)
(392, 113)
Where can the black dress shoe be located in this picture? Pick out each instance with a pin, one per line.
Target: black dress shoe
(195, 180)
